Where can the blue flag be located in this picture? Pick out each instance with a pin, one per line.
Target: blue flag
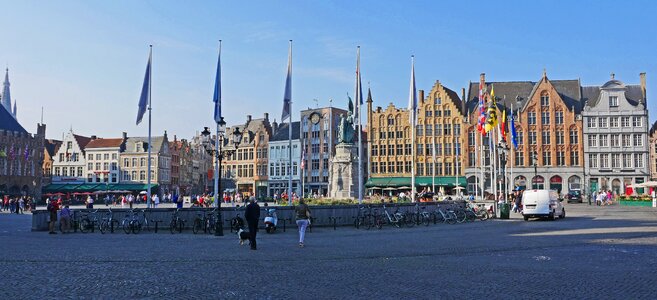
(359, 88)
(287, 99)
(412, 96)
(217, 90)
(514, 134)
(145, 90)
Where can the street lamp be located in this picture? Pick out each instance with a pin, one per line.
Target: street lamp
(535, 162)
(219, 155)
(503, 149)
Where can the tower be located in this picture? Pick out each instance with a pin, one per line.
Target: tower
(6, 95)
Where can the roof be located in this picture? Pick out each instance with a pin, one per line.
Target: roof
(105, 143)
(282, 132)
(517, 93)
(82, 140)
(633, 93)
(157, 142)
(52, 146)
(250, 128)
(653, 128)
(7, 121)
(455, 97)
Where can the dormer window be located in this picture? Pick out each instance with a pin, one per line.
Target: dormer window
(613, 101)
(545, 99)
(138, 146)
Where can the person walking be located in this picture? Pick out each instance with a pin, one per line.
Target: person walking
(21, 205)
(52, 209)
(302, 213)
(156, 200)
(252, 215)
(90, 202)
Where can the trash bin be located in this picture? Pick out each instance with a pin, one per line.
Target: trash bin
(504, 210)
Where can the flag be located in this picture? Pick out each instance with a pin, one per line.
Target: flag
(216, 98)
(287, 99)
(303, 159)
(145, 90)
(491, 119)
(3, 153)
(359, 87)
(514, 134)
(482, 109)
(502, 127)
(412, 96)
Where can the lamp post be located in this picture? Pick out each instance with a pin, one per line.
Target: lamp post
(504, 154)
(219, 155)
(535, 162)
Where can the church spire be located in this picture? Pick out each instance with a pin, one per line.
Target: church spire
(15, 116)
(6, 95)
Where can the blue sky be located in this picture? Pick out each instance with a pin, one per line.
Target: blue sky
(84, 61)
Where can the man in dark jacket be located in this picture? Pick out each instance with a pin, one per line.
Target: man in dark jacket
(252, 215)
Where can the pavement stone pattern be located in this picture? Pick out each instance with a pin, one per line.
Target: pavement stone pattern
(594, 253)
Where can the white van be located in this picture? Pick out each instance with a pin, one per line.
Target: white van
(542, 203)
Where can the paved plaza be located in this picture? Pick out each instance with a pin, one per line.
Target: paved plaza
(595, 253)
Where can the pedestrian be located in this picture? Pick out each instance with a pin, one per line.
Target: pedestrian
(21, 205)
(252, 215)
(179, 201)
(90, 202)
(65, 219)
(303, 220)
(52, 209)
(518, 202)
(156, 200)
(599, 198)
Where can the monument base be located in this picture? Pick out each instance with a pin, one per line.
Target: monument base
(343, 172)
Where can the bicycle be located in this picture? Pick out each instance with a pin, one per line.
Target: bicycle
(396, 219)
(422, 216)
(445, 216)
(205, 221)
(176, 222)
(364, 218)
(107, 222)
(131, 223)
(237, 222)
(88, 221)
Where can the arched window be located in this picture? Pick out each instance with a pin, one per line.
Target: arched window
(545, 99)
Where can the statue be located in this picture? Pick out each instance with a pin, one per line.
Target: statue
(346, 127)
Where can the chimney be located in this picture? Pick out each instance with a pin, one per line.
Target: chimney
(463, 100)
(643, 85)
(274, 127)
(421, 96)
(125, 135)
(266, 116)
(93, 137)
(482, 78)
(248, 118)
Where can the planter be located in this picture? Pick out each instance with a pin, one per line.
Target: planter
(636, 203)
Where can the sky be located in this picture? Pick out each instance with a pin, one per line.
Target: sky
(83, 62)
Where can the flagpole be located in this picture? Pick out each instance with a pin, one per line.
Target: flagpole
(148, 193)
(359, 99)
(412, 108)
(433, 170)
(289, 189)
(476, 159)
(512, 159)
(217, 201)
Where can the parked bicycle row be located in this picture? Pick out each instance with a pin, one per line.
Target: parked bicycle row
(452, 213)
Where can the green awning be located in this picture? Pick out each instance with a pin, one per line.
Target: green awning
(92, 187)
(382, 182)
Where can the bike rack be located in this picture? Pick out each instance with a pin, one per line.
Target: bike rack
(334, 221)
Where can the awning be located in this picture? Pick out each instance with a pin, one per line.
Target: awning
(92, 187)
(378, 182)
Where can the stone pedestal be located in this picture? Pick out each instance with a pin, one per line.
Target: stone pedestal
(343, 172)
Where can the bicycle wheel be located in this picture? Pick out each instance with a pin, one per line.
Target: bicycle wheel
(460, 216)
(378, 222)
(470, 216)
(210, 225)
(438, 217)
(103, 226)
(181, 225)
(409, 219)
(451, 218)
(84, 225)
(357, 222)
(426, 219)
(126, 226)
(172, 226)
(197, 226)
(368, 222)
(136, 226)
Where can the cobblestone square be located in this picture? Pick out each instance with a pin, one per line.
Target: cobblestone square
(594, 253)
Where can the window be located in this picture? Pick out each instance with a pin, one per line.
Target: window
(592, 122)
(625, 121)
(447, 113)
(574, 158)
(114, 156)
(545, 118)
(519, 137)
(134, 162)
(520, 158)
(98, 166)
(532, 137)
(457, 129)
(573, 137)
(602, 122)
(471, 138)
(79, 171)
(604, 160)
(593, 140)
(636, 122)
(429, 130)
(133, 175)
(61, 157)
(428, 150)
(545, 138)
(627, 160)
(615, 140)
(142, 175)
(448, 169)
(638, 160)
(57, 173)
(531, 118)
(613, 122)
(142, 162)
(91, 157)
(98, 156)
(427, 113)
(375, 150)
(471, 159)
(560, 139)
(126, 163)
(105, 166)
(439, 129)
(448, 149)
(561, 159)
(626, 140)
(615, 160)
(447, 129)
(558, 118)
(420, 169)
(547, 158)
(545, 99)
(613, 101)
(419, 149)
(420, 130)
(90, 166)
(604, 140)
(391, 149)
(638, 141)
(593, 160)
(106, 156)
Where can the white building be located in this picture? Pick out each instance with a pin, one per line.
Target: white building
(69, 162)
(279, 159)
(103, 160)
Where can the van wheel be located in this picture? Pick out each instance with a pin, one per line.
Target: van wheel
(526, 218)
(551, 216)
(563, 213)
